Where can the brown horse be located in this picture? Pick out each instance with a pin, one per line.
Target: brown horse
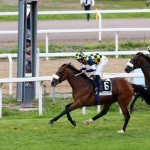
(83, 92)
(140, 61)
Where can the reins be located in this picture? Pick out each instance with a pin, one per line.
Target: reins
(146, 66)
(78, 74)
(75, 75)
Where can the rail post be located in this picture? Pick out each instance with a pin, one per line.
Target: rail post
(116, 43)
(47, 38)
(1, 100)
(100, 25)
(10, 73)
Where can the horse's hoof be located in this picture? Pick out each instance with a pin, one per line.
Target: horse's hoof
(87, 122)
(121, 131)
(73, 123)
(50, 122)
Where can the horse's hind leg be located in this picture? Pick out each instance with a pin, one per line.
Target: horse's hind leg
(132, 104)
(102, 113)
(136, 96)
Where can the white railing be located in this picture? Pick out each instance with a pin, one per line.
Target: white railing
(49, 78)
(40, 55)
(99, 29)
(80, 12)
(15, 80)
(123, 75)
(116, 30)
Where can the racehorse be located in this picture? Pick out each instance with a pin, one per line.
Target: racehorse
(140, 61)
(83, 92)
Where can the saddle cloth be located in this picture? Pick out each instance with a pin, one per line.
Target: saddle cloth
(106, 87)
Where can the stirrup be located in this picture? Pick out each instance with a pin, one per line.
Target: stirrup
(96, 89)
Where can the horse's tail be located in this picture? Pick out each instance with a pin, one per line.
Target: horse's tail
(144, 93)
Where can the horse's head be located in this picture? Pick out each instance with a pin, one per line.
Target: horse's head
(134, 63)
(61, 75)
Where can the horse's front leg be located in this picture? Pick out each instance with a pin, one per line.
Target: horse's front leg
(67, 111)
(69, 116)
(102, 113)
(60, 115)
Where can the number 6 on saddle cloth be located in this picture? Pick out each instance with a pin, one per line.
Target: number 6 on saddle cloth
(105, 88)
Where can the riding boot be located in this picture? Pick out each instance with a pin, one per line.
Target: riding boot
(96, 83)
(100, 84)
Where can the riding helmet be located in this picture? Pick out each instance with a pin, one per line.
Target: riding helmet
(79, 55)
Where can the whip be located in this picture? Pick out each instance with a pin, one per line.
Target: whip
(78, 74)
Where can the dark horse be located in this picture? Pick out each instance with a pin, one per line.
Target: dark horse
(83, 92)
(140, 61)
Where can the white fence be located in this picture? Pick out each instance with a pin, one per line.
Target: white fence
(40, 55)
(37, 79)
(99, 30)
(49, 78)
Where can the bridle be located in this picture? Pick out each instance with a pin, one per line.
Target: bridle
(59, 77)
(135, 67)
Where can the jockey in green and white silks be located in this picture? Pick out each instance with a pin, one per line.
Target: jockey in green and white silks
(96, 62)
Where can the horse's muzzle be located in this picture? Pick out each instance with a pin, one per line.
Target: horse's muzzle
(54, 82)
(128, 69)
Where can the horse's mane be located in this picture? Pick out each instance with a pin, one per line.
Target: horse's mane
(76, 71)
(145, 56)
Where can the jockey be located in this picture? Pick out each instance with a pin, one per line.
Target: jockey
(97, 63)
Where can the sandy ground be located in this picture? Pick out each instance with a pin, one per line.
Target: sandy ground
(49, 67)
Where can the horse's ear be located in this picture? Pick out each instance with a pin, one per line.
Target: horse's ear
(69, 63)
(65, 65)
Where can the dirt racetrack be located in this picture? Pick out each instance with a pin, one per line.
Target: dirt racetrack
(47, 68)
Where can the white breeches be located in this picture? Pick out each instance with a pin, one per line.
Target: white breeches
(100, 66)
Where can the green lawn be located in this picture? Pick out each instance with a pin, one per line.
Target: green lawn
(52, 5)
(36, 134)
(26, 130)
(9, 5)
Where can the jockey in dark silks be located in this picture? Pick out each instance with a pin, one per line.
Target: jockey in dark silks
(97, 63)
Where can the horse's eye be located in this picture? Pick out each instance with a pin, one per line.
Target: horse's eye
(60, 73)
(133, 60)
